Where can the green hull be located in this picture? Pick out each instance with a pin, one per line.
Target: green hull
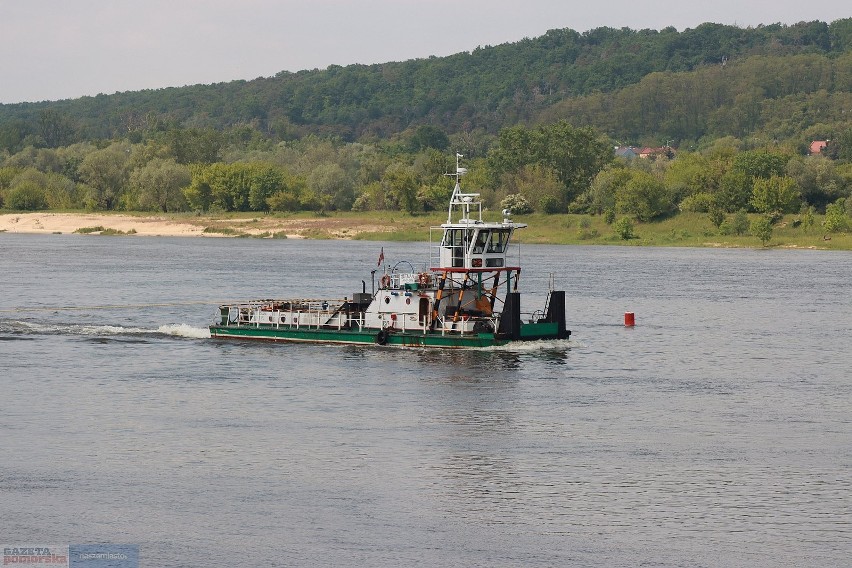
(529, 332)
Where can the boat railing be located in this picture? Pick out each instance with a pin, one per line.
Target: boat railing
(399, 279)
(296, 313)
(308, 303)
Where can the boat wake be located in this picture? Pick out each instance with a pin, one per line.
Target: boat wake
(20, 329)
(528, 346)
(184, 330)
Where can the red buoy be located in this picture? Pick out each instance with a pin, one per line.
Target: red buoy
(629, 319)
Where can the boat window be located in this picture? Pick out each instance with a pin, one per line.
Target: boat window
(453, 238)
(499, 239)
(481, 241)
(459, 241)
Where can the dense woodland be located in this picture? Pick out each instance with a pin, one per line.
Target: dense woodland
(736, 110)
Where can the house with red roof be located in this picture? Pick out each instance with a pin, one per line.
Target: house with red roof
(654, 153)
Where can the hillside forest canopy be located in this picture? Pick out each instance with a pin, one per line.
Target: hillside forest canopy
(730, 114)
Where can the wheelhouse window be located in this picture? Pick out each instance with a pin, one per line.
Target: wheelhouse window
(499, 240)
(481, 241)
(458, 241)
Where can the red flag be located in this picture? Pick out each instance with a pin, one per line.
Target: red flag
(381, 257)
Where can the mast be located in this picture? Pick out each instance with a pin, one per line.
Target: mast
(463, 200)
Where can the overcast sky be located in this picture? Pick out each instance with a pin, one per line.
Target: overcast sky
(56, 49)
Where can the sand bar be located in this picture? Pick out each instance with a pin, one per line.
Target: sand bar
(163, 226)
(70, 222)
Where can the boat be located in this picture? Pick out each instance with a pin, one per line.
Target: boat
(466, 296)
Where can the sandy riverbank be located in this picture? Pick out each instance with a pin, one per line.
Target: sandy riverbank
(70, 222)
(684, 230)
(53, 223)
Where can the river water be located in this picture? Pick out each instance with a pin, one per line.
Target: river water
(717, 432)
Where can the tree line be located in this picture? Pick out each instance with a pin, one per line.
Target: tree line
(552, 168)
(635, 85)
(537, 121)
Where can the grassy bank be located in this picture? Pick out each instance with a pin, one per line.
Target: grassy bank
(684, 230)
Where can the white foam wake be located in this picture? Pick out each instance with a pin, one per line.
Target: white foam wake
(184, 330)
(46, 328)
(538, 345)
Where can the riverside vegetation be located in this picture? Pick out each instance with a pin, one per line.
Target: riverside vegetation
(732, 113)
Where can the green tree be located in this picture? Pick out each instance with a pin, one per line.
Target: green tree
(600, 196)
(576, 155)
(331, 184)
(734, 191)
(428, 136)
(817, 179)
(434, 196)
(7, 176)
(836, 219)
(760, 164)
(761, 227)
(12, 135)
(775, 196)
(61, 192)
(624, 228)
(372, 198)
(689, 174)
(55, 128)
(266, 180)
(225, 186)
(106, 173)
(57, 190)
(159, 185)
(717, 217)
(699, 203)
(246, 186)
(193, 146)
(644, 197)
(289, 196)
(71, 157)
(841, 147)
(539, 185)
(400, 185)
(808, 217)
(516, 146)
(840, 32)
(27, 197)
(199, 194)
(740, 223)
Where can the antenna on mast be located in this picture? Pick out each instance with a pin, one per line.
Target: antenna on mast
(460, 171)
(464, 200)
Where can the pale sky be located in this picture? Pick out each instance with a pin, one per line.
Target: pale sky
(57, 49)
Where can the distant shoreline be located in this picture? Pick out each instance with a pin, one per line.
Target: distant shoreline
(683, 230)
